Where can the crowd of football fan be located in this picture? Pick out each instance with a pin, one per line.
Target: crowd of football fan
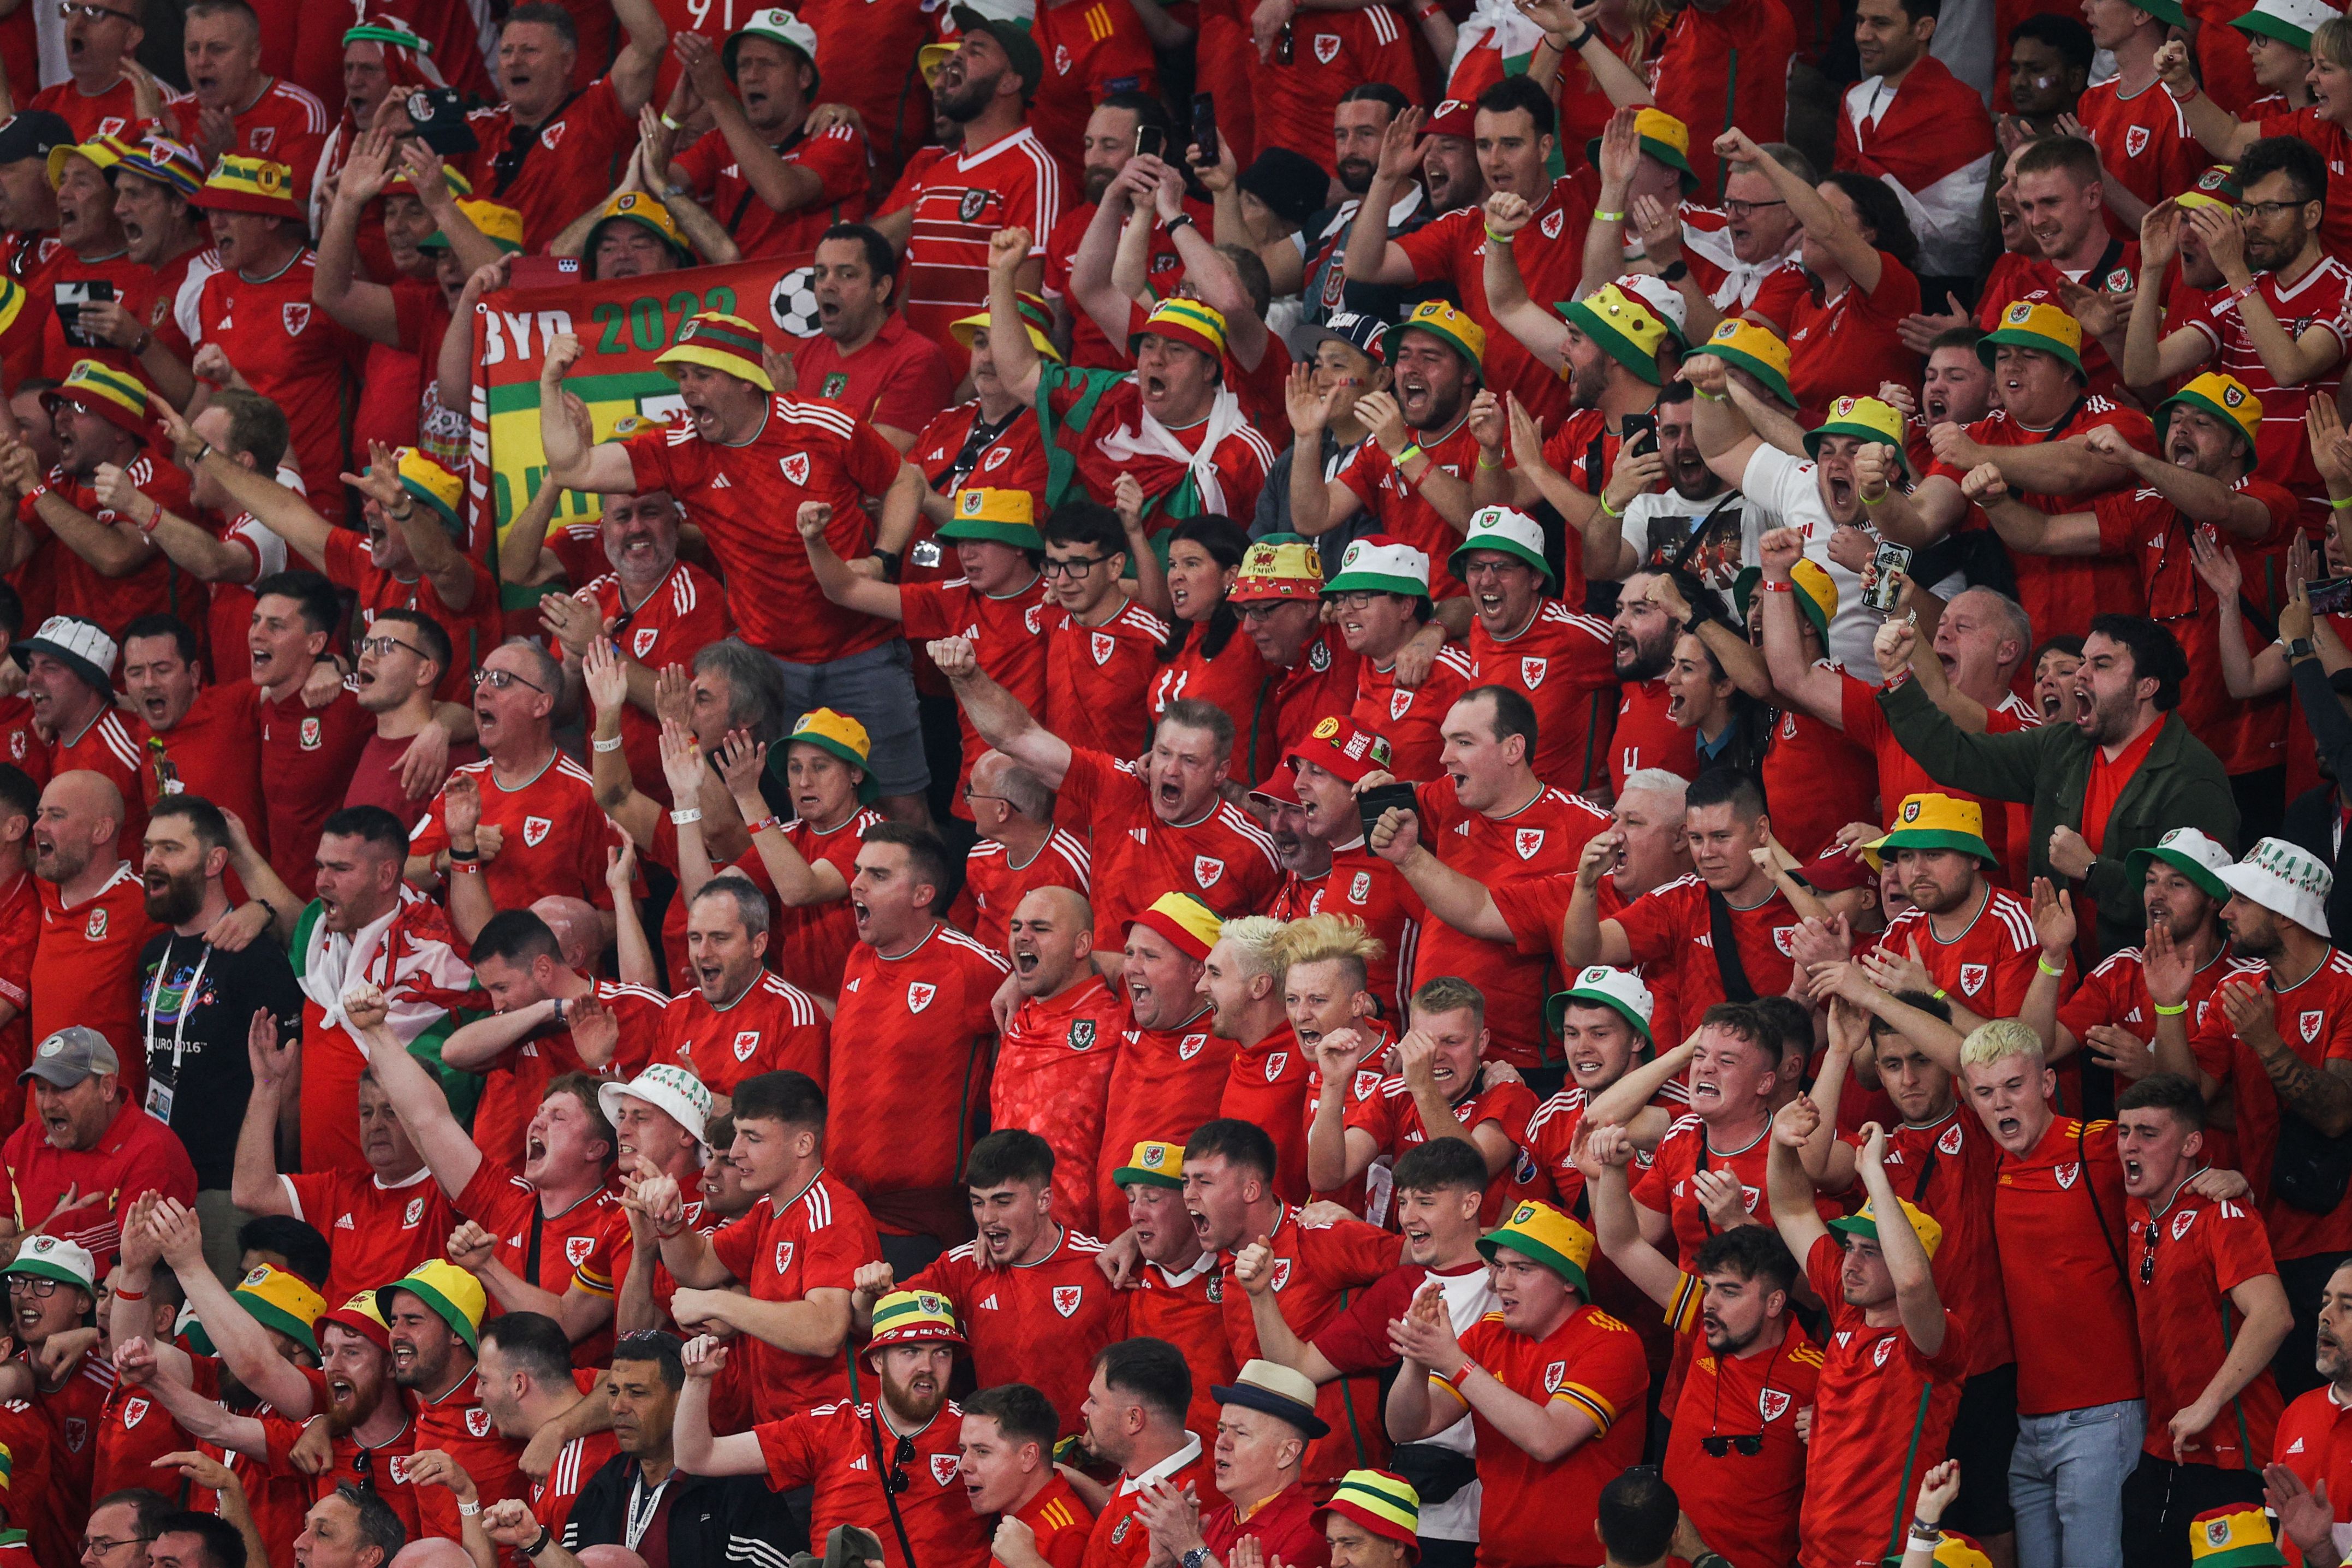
(1536, 784)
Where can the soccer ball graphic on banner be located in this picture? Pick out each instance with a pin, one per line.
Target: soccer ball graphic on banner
(793, 303)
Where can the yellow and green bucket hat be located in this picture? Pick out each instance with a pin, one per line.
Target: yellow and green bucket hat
(1759, 350)
(1628, 328)
(648, 214)
(2225, 397)
(914, 1316)
(103, 152)
(1934, 822)
(1448, 325)
(837, 734)
(430, 483)
(2025, 325)
(1034, 315)
(448, 1292)
(1864, 1221)
(282, 1301)
(1663, 138)
(501, 225)
(1153, 1164)
(1000, 517)
(1864, 418)
(1549, 1237)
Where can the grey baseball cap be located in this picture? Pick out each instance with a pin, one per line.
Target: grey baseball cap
(71, 1054)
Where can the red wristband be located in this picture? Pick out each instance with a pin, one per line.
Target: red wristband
(1461, 1373)
(122, 1295)
(1772, 587)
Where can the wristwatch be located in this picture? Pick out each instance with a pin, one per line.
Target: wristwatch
(1674, 271)
(2299, 648)
(1196, 1558)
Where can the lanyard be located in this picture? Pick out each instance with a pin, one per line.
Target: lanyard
(187, 1001)
(633, 1529)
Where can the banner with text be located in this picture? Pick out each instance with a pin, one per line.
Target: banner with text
(622, 324)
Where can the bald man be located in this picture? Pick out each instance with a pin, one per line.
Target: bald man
(579, 929)
(1053, 1069)
(93, 923)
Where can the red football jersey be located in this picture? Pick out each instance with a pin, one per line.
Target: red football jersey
(1882, 1411)
(86, 971)
(1666, 1187)
(2057, 1211)
(1058, 1517)
(1989, 966)
(564, 169)
(1550, 254)
(1038, 1323)
(473, 631)
(1546, 835)
(1092, 48)
(2197, 1250)
(515, 1083)
(1670, 927)
(1237, 680)
(1363, 887)
(837, 158)
(1392, 1117)
(552, 1500)
(1853, 340)
(1330, 51)
(607, 1264)
(2315, 1018)
(1563, 663)
(1595, 1364)
(2006, 823)
(1268, 1084)
(1006, 634)
(964, 198)
(903, 1108)
(1412, 719)
(538, 1246)
(1746, 1503)
(212, 753)
(773, 1026)
(2314, 1441)
(1545, 1172)
(994, 886)
(2060, 593)
(813, 944)
(157, 587)
(817, 1241)
(20, 934)
(458, 1426)
(1164, 1084)
(1396, 505)
(1817, 781)
(287, 123)
(1224, 859)
(1187, 1310)
(806, 450)
(1095, 677)
(2146, 146)
(830, 1448)
(1053, 1078)
(685, 612)
(959, 445)
(555, 834)
(1950, 1169)
(288, 351)
(1647, 738)
(307, 755)
(379, 1232)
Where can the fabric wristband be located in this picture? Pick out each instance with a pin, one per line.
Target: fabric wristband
(2042, 963)
(2164, 1012)
(612, 745)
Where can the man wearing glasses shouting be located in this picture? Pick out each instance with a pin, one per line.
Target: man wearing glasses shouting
(888, 1458)
(523, 823)
(101, 94)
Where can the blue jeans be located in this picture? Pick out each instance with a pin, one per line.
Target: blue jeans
(2066, 1481)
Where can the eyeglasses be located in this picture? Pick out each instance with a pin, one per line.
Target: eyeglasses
(1075, 566)
(1356, 598)
(1264, 609)
(70, 9)
(971, 795)
(2147, 1255)
(2265, 212)
(382, 647)
(23, 1285)
(1741, 209)
(899, 1459)
(100, 1546)
(500, 680)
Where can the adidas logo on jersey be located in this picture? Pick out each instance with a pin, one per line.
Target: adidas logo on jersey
(345, 1224)
(722, 483)
(989, 1305)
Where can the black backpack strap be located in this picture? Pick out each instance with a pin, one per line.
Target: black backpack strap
(881, 1468)
(1728, 966)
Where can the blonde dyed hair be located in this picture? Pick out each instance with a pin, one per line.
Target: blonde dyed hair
(1999, 1039)
(1332, 938)
(1258, 940)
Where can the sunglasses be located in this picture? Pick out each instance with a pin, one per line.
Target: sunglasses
(2147, 1255)
(899, 1459)
(1747, 1443)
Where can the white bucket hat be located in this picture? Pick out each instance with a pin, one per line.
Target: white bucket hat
(671, 1089)
(1619, 989)
(2285, 880)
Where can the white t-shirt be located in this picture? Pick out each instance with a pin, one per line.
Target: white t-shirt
(1469, 1296)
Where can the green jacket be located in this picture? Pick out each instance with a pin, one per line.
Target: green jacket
(2181, 784)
